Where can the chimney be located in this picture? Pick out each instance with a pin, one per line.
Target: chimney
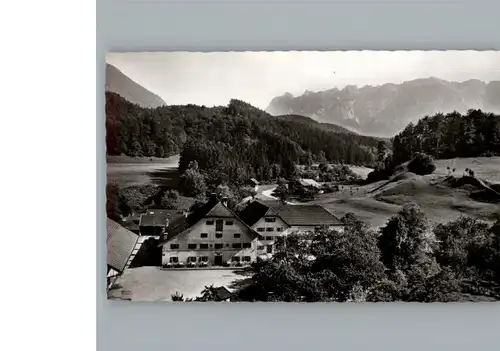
(224, 201)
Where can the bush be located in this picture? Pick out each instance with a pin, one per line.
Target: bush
(422, 164)
(170, 200)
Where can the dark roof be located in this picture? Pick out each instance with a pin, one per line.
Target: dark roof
(222, 293)
(120, 243)
(212, 208)
(307, 215)
(157, 218)
(254, 212)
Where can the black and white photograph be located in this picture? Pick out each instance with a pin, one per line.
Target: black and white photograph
(303, 176)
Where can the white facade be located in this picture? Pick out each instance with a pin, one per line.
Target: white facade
(212, 241)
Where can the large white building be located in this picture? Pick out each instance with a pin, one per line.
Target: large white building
(213, 235)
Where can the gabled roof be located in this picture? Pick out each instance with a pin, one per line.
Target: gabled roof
(212, 208)
(120, 242)
(219, 210)
(222, 293)
(306, 215)
(254, 212)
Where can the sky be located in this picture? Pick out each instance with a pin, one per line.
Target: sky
(210, 79)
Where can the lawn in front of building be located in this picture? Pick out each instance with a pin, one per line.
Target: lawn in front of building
(156, 284)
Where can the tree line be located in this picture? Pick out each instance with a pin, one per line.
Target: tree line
(451, 135)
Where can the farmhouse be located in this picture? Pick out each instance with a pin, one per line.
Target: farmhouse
(212, 235)
(273, 220)
(122, 245)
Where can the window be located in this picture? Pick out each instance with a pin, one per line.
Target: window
(218, 235)
(269, 238)
(219, 224)
(269, 229)
(192, 259)
(270, 220)
(247, 245)
(235, 259)
(229, 222)
(279, 229)
(237, 235)
(261, 229)
(209, 222)
(260, 247)
(203, 258)
(269, 248)
(219, 246)
(192, 246)
(204, 235)
(174, 246)
(203, 246)
(174, 259)
(247, 258)
(237, 246)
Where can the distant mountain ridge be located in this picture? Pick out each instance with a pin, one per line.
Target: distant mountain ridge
(386, 109)
(117, 82)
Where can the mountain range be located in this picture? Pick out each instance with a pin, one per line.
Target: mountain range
(385, 110)
(117, 82)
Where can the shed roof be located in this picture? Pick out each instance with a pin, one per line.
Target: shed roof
(120, 243)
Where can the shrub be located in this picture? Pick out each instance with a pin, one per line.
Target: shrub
(422, 164)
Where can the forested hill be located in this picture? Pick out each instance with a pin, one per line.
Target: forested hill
(451, 135)
(312, 122)
(234, 138)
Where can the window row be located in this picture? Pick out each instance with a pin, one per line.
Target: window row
(219, 235)
(216, 246)
(211, 222)
(270, 229)
(190, 259)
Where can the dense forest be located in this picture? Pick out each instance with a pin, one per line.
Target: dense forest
(229, 143)
(447, 136)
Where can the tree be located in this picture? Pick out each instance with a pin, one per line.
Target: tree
(133, 199)
(282, 193)
(407, 240)
(208, 294)
(246, 192)
(177, 297)
(113, 202)
(160, 151)
(421, 164)
(192, 181)
(170, 200)
(462, 243)
(381, 153)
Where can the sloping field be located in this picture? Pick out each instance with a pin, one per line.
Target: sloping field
(486, 168)
(441, 197)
